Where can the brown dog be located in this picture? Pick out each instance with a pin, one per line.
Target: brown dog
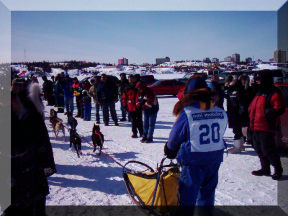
(57, 123)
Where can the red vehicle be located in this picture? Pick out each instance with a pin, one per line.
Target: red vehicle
(167, 87)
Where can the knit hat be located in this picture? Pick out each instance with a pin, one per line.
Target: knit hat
(195, 83)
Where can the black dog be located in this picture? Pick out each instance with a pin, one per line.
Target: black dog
(97, 138)
(71, 120)
(75, 139)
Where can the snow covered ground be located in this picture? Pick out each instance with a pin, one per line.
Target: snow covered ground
(97, 180)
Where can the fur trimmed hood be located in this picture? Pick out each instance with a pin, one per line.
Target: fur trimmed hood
(198, 95)
(34, 94)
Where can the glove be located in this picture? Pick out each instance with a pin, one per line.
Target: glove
(169, 153)
(49, 171)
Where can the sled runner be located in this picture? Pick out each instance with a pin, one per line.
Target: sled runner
(155, 191)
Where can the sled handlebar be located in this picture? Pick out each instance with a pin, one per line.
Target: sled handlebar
(138, 162)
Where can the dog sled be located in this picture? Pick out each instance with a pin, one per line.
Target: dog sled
(153, 190)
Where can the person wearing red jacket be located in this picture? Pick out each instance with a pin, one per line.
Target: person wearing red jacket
(264, 114)
(129, 98)
(77, 93)
(148, 102)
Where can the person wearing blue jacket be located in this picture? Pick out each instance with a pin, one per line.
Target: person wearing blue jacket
(59, 93)
(196, 140)
(68, 94)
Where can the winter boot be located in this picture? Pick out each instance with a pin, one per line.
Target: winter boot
(134, 136)
(261, 172)
(143, 139)
(238, 146)
(149, 140)
(277, 173)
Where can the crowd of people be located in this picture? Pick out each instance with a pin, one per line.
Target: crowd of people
(135, 98)
(254, 108)
(253, 113)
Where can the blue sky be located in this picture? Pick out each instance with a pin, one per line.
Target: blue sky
(142, 36)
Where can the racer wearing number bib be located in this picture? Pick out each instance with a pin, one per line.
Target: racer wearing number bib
(196, 140)
(203, 131)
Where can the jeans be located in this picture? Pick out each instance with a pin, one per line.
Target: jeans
(123, 110)
(106, 106)
(149, 124)
(97, 106)
(87, 111)
(197, 184)
(69, 104)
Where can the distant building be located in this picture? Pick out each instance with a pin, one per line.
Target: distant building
(206, 60)
(162, 60)
(228, 59)
(236, 58)
(272, 60)
(215, 60)
(248, 60)
(280, 56)
(123, 61)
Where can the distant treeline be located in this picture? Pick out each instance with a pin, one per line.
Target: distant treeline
(46, 66)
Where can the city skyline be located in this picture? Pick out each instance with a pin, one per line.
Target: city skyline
(142, 36)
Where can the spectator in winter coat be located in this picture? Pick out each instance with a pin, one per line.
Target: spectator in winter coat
(232, 93)
(107, 95)
(121, 88)
(59, 93)
(54, 90)
(246, 95)
(196, 139)
(48, 90)
(129, 98)
(264, 113)
(77, 90)
(32, 158)
(239, 96)
(148, 102)
(68, 94)
(93, 93)
(86, 100)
